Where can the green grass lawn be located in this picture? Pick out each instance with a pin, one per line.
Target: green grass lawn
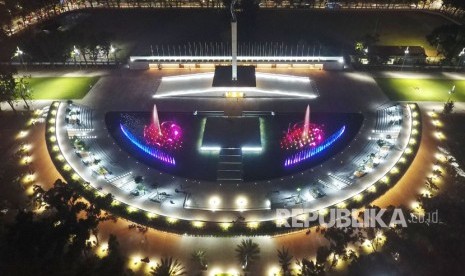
(435, 90)
(61, 88)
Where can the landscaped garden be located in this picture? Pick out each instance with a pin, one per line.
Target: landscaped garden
(403, 89)
(60, 88)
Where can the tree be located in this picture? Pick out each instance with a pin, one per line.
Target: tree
(67, 206)
(448, 107)
(284, 259)
(138, 179)
(449, 41)
(55, 240)
(368, 40)
(169, 267)
(23, 89)
(7, 86)
(114, 262)
(247, 252)
(339, 239)
(314, 268)
(455, 5)
(199, 258)
(5, 17)
(373, 264)
(363, 45)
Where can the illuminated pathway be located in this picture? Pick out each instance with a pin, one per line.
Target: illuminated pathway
(239, 195)
(221, 250)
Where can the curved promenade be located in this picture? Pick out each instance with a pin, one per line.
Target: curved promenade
(253, 211)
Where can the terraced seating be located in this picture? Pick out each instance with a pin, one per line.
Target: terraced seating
(106, 160)
(388, 119)
(370, 147)
(340, 182)
(81, 118)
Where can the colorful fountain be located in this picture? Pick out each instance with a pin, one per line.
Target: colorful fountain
(303, 135)
(306, 140)
(167, 135)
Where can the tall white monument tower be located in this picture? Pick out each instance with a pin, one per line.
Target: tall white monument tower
(234, 41)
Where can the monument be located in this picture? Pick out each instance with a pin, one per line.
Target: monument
(233, 40)
(234, 75)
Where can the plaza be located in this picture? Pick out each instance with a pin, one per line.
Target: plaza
(338, 183)
(189, 151)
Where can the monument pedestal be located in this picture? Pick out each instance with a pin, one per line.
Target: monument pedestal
(245, 77)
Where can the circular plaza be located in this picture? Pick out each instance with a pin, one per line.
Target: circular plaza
(310, 139)
(209, 161)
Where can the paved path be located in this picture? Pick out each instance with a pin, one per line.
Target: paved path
(133, 88)
(221, 250)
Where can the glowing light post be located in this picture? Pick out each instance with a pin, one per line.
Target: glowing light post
(20, 54)
(74, 53)
(406, 52)
(245, 265)
(299, 196)
(113, 51)
(461, 55)
(452, 91)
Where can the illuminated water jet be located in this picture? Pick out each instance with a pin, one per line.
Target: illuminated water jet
(303, 134)
(167, 135)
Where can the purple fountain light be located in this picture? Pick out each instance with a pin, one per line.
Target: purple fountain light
(157, 153)
(309, 152)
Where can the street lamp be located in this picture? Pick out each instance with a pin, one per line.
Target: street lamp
(75, 52)
(113, 51)
(461, 55)
(19, 53)
(452, 91)
(406, 52)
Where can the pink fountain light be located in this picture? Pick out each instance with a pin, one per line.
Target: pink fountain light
(302, 135)
(167, 135)
(156, 121)
(306, 121)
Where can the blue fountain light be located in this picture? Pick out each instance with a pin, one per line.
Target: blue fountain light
(158, 154)
(309, 152)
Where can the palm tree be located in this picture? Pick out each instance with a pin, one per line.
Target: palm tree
(284, 259)
(247, 252)
(169, 267)
(307, 268)
(200, 259)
